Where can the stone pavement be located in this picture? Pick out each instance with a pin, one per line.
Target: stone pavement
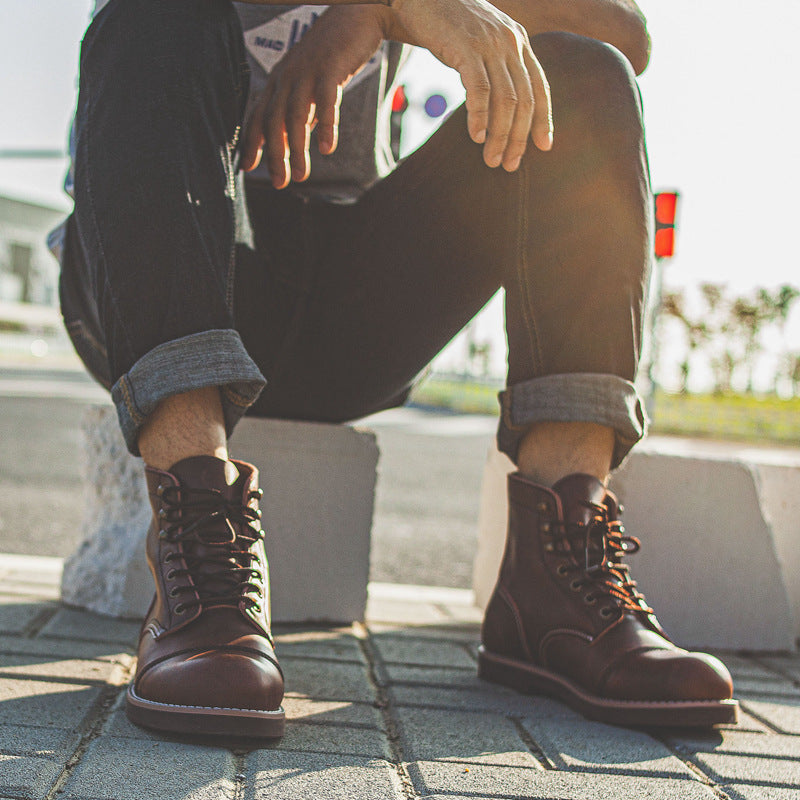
(390, 710)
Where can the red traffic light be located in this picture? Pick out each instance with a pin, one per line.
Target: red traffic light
(666, 206)
(399, 100)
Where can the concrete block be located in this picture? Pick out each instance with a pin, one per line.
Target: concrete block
(326, 680)
(594, 747)
(27, 776)
(452, 779)
(287, 776)
(45, 704)
(318, 483)
(435, 735)
(719, 560)
(145, 769)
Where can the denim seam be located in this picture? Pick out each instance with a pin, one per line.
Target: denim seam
(90, 195)
(236, 398)
(137, 418)
(79, 327)
(522, 263)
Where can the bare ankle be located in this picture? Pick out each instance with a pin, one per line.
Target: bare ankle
(184, 425)
(550, 451)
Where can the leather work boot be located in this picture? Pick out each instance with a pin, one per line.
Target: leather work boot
(206, 659)
(567, 620)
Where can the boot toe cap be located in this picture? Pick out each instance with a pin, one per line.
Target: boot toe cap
(668, 675)
(215, 679)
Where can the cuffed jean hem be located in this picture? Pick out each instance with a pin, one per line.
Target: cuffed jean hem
(576, 397)
(210, 358)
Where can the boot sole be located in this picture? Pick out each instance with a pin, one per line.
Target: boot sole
(529, 679)
(205, 721)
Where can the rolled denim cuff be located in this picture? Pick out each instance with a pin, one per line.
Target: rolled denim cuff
(210, 358)
(577, 397)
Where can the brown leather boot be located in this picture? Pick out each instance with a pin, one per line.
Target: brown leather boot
(566, 618)
(206, 658)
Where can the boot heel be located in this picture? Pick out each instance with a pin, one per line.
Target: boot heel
(493, 671)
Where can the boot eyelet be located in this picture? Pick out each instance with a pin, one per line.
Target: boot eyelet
(160, 490)
(170, 575)
(173, 592)
(561, 570)
(257, 608)
(575, 585)
(260, 492)
(541, 507)
(162, 513)
(162, 534)
(589, 600)
(180, 609)
(549, 547)
(545, 527)
(621, 508)
(606, 612)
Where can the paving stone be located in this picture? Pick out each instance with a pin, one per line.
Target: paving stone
(132, 769)
(485, 698)
(766, 687)
(383, 610)
(69, 623)
(327, 680)
(16, 616)
(340, 739)
(455, 633)
(435, 676)
(63, 648)
(742, 757)
(29, 740)
(479, 781)
(79, 670)
(594, 747)
(743, 792)
(57, 705)
(287, 776)
(453, 736)
(784, 714)
(336, 645)
(431, 653)
(27, 776)
(303, 709)
(786, 665)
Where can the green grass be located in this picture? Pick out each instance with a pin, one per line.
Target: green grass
(765, 420)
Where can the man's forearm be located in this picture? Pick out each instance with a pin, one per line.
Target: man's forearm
(618, 22)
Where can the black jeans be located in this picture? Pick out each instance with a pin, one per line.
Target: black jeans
(179, 274)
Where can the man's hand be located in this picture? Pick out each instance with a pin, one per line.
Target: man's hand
(305, 90)
(508, 98)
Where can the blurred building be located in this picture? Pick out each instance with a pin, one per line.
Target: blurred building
(28, 271)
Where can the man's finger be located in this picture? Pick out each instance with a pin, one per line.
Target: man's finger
(253, 137)
(542, 131)
(502, 109)
(329, 98)
(478, 89)
(521, 125)
(299, 116)
(276, 144)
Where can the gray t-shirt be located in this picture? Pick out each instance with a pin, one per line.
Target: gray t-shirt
(364, 153)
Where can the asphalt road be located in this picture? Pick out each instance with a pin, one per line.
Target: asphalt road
(425, 526)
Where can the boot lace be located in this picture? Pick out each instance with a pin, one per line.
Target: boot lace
(603, 544)
(218, 559)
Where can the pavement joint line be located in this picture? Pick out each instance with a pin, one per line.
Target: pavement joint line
(14, 676)
(689, 763)
(32, 629)
(770, 667)
(764, 720)
(239, 773)
(529, 742)
(383, 704)
(101, 711)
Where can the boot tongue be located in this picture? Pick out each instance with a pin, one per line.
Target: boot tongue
(208, 549)
(578, 493)
(207, 472)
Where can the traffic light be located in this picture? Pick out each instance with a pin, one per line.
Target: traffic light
(666, 207)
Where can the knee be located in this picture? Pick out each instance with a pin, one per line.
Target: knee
(592, 83)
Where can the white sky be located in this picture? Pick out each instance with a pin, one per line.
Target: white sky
(721, 105)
